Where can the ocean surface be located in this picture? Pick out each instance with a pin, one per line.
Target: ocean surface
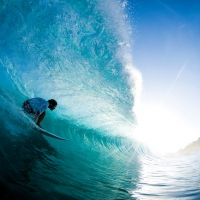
(79, 53)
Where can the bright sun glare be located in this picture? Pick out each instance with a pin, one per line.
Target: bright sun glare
(161, 129)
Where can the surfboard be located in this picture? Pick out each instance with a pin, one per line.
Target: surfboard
(48, 133)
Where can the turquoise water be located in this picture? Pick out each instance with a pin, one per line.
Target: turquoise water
(79, 53)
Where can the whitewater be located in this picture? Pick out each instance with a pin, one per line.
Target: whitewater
(79, 53)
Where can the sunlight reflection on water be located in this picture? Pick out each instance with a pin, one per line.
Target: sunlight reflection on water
(169, 178)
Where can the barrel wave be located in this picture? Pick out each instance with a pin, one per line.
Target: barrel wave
(79, 53)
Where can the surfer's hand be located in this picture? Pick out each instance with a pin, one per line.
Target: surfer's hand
(36, 116)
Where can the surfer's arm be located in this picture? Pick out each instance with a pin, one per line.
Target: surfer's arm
(36, 116)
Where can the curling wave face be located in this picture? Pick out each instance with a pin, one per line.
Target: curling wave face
(74, 53)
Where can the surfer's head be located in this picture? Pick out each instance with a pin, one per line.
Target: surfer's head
(52, 104)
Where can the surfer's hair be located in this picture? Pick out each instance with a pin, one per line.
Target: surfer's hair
(52, 101)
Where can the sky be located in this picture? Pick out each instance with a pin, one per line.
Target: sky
(166, 50)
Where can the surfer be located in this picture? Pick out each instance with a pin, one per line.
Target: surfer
(37, 107)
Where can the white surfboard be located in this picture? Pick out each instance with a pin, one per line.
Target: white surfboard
(48, 133)
(30, 122)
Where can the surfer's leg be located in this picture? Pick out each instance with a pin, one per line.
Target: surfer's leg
(40, 118)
